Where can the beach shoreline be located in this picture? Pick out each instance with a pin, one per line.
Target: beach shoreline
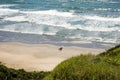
(38, 57)
(7, 36)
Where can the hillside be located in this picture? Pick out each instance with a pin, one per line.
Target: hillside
(105, 66)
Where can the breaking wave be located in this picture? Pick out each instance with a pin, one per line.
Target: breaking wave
(61, 23)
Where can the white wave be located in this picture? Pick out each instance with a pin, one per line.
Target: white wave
(41, 33)
(117, 10)
(81, 42)
(50, 12)
(102, 9)
(58, 19)
(99, 39)
(29, 32)
(91, 39)
(7, 11)
(16, 18)
(50, 17)
(113, 2)
(7, 5)
(102, 18)
(103, 29)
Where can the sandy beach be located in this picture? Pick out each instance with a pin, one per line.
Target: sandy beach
(38, 57)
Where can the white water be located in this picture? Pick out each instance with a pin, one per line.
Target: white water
(63, 19)
(56, 21)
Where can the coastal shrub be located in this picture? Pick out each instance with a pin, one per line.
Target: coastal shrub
(12, 74)
(112, 56)
(115, 51)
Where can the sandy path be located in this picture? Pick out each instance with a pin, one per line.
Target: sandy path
(32, 57)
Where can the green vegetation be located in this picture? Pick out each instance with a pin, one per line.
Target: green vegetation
(12, 74)
(105, 66)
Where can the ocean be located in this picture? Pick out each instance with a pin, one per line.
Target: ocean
(91, 23)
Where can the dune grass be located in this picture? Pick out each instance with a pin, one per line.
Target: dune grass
(12, 74)
(105, 66)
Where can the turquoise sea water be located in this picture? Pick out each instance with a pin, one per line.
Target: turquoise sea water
(68, 20)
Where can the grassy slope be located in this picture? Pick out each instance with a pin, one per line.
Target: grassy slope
(105, 66)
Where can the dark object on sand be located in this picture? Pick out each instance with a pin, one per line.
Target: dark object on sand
(61, 48)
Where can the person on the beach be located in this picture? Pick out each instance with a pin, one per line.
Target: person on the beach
(61, 48)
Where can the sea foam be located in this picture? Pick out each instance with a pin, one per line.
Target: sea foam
(63, 19)
(53, 22)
